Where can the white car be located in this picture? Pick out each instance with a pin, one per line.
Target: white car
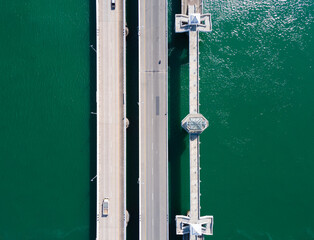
(105, 207)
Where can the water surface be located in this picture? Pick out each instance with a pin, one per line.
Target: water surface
(256, 83)
(44, 123)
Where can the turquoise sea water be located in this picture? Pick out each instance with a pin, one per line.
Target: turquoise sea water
(44, 123)
(256, 91)
(257, 85)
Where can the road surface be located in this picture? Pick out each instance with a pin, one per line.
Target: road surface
(153, 133)
(110, 120)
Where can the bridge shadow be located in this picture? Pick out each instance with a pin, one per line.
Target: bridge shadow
(178, 56)
(133, 116)
(92, 120)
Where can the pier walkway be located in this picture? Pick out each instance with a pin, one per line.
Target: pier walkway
(111, 121)
(192, 21)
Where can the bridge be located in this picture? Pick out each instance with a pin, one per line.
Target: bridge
(111, 121)
(153, 117)
(192, 20)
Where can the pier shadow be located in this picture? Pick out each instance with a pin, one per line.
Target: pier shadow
(178, 46)
(132, 114)
(92, 120)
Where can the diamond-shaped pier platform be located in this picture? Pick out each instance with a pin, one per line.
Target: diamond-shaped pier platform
(194, 123)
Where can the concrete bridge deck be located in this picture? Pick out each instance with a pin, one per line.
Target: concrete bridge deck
(111, 120)
(153, 129)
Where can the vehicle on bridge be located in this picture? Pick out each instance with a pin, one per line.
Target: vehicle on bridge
(113, 4)
(105, 207)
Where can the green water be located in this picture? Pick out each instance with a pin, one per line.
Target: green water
(257, 156)
(257, 86)
(45, 120)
